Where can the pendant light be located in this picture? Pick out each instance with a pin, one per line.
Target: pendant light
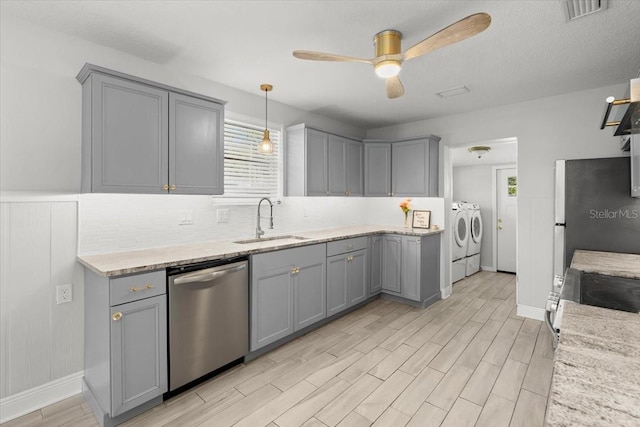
(265, 146)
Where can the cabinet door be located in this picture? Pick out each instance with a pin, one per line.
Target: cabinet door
(375, 265)
(138, 353)
(336, 284)
(196, 149)
(410, 168)
(635, 165)
(377, 169)
(357, 276)
(391, 263)
(411, 267)
(337, 177)
(353, 152)
(271, 302)
(316, 161)
(130, 148)
(310, 291)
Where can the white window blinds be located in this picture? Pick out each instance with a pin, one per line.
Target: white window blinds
(248, 173)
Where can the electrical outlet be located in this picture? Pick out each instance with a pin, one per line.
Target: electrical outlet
(223, 215)
(186, 217)
(64, 293)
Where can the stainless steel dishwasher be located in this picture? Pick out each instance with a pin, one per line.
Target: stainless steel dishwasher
(208, 318)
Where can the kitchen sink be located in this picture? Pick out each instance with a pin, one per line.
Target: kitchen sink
(269, 239)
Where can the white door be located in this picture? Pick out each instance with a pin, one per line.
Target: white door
(507, 203)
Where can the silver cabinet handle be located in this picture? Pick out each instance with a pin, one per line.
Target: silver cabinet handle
(208, 274)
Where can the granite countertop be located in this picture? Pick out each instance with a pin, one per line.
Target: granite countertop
(596, 379)
(120, 263)
(607, 263)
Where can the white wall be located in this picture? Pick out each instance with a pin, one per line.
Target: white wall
(473, 185)
(40, 107)
(562, 127)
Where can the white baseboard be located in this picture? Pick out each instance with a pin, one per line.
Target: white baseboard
(487, 268)
(36, 398)
(530, 312)
(445, 293)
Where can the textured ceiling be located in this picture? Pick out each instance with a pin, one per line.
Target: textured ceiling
(529, 51)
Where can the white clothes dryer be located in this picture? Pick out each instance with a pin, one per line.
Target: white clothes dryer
(460, 238)
(475, 238)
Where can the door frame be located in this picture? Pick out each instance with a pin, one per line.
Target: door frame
(494, 219)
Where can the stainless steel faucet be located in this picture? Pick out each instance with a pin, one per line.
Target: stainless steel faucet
(259, 231)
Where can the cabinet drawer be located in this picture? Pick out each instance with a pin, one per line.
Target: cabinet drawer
(346, 245)
(136, 287)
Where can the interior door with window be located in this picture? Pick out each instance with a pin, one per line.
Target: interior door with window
(507, 205)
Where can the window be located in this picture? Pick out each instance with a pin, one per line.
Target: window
(247, 173)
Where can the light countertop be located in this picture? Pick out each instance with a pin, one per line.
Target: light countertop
(607, 263)
(596, 379)
(121, 263)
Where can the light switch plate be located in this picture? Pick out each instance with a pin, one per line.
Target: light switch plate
(223, 215)
(186, 217)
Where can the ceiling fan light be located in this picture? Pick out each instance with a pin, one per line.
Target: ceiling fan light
(388, 68)
(265, 146)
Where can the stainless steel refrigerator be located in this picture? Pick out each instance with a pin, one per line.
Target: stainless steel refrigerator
(594, 209)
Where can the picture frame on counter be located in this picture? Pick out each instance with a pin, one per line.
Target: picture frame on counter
(421, 219)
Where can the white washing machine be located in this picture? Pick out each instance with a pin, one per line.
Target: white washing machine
(475, 238)
(460, 238)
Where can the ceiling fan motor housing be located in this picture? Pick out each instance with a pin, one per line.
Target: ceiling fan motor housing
(387, 42)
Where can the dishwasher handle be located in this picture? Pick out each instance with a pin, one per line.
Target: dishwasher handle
(208, 274)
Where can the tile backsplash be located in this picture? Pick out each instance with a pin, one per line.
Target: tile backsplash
(122, 222)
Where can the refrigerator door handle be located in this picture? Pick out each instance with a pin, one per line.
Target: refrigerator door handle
(558, 250)
(560, 193)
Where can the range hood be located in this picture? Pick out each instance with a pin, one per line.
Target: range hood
(629, 122)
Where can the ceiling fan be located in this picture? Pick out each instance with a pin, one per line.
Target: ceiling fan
(389, 55)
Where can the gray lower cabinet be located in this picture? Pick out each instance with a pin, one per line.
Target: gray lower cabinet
(346, 280)
(319, 163)
(143, 137)
(125, 342)
(375, 265)
(402, 168)
(411, 268)
(391, 264)
(288, 292)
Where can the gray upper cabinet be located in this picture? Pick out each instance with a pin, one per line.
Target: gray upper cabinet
(377, 169)
(127, 148)
(318, 163)
(288, 292)
(145, 137)
(402, 168)
(196, 149)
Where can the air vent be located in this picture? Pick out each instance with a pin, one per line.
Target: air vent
(454, 91)
(579, 8)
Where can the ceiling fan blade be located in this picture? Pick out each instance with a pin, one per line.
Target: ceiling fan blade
(463, 29)
(394, 87)
(321, 56)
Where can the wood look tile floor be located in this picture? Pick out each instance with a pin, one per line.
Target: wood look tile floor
(468, 360)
